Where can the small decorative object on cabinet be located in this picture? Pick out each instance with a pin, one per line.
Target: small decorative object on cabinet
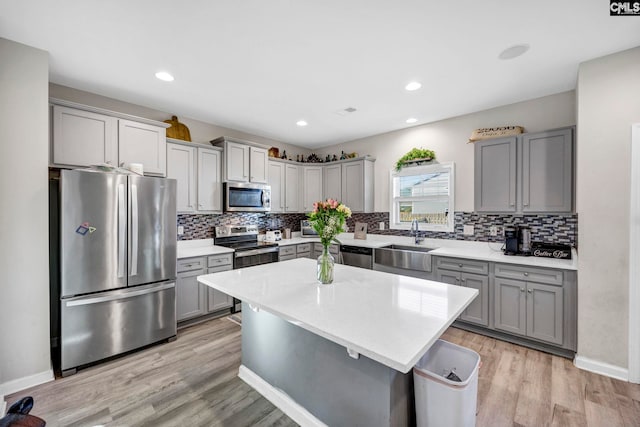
(178, 130)
(497, 132)
(328, 220)
(274, 152)
(415, 157)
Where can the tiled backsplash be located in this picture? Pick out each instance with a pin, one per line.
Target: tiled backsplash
(544, 228)
(201, 226)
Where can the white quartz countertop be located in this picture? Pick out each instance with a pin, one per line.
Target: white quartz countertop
(389, 318)
(202, 247)
(482, 251)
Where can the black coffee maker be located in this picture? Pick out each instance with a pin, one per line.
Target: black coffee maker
(510, 241)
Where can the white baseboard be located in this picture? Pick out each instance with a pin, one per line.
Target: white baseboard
(280, 399)
(25, 382)
(601, 368)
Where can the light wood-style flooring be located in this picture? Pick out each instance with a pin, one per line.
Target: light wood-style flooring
(193, 382)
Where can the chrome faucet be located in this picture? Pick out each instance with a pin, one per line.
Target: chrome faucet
(415, 231)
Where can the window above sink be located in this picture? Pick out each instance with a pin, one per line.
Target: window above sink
(425, 194)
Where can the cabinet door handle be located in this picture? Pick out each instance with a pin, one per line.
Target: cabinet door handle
(460, 265)
(530, 291)
(521, 289)
(526, 274)
(462, 280)
(457, 280)
(512, 204)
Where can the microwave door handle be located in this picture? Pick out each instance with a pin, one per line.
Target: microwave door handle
(262, 198)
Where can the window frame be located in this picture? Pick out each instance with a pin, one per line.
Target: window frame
(394, 209)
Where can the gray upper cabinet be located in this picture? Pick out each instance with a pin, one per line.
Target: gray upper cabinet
(526, 174)
(83, 135)
(547, 172)
(495, 175)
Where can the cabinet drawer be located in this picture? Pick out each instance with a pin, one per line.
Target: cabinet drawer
(287, 251)
(305, 247)
(286, 257)
(530, 274)
(189, 264)
(220, 260)
(464, 265)
(333, 249)
(303, 255)
(219, 269)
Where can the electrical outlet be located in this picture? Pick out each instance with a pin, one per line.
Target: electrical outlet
(381, 225)
(180, 230)
(493, 230)
(468, 230)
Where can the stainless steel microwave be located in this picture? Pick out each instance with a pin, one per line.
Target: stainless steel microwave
(246, 197)
(306, 230)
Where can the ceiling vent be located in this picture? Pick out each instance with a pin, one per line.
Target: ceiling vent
(346, 111)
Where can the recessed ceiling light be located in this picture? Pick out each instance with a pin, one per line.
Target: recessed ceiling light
(413, 86)
(514, 51)
(301, 123)
(411, 120)
(164, 76)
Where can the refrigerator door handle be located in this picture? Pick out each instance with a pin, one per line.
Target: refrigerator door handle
(119, 295)
(122, 220)
(134, 230)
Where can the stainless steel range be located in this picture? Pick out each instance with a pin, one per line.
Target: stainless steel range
(243, 239)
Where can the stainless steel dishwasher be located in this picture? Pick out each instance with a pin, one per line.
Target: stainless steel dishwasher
(357, 256)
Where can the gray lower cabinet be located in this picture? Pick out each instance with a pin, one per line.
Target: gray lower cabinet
(303, 250)
(534, 306)
(287, 252)
(194, 299)
(334, 249)
(455, 272)
(190, 295)
(530, 308)
(217, 300)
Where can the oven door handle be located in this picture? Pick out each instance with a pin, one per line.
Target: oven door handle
(257, 252)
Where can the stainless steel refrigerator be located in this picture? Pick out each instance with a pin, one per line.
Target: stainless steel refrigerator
(117, 243)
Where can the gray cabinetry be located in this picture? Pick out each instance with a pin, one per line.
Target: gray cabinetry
(194, 299)
(83, 136)
(529, 173)
(190, 295)
(530, 308)
(547, 173)
(470, 274)
(303, 250)
(287, 252)
(217, 300)
(334, 249)
(495, 175)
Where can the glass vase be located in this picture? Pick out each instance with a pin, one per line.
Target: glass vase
(325, 266)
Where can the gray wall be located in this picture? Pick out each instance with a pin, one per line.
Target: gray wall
(448, 138)
(608, 104)
(200, 131)
(24, 250)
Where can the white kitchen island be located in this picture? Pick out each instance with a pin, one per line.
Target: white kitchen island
(338, 354)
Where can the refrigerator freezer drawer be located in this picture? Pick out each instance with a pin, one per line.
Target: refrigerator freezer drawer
(97, 326)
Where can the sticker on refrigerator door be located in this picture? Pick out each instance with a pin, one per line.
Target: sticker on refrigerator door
(85, 228)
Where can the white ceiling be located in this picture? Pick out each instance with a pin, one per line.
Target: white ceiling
(261, 65)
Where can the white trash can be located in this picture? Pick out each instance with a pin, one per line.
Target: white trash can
(441, 401)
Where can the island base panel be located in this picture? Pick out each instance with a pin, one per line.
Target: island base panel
(321, 377)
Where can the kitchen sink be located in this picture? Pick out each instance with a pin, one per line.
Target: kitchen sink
(405, 257)
(408, 248)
